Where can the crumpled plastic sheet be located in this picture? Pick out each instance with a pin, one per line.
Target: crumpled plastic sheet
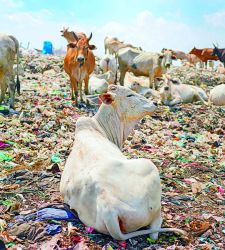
(49, 214)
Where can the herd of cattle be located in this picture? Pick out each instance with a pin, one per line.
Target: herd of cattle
(111, 193)
(133, 65)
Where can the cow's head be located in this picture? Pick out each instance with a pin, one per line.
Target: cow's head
(166, 88)
(193, 51)
(167, 57)
(135, 86)
(82, 47)
(128, 105)
(215, 50)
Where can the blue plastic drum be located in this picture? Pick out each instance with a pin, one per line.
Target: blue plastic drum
(47, 48)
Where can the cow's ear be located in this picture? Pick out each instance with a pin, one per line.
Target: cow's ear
(106, 98)
(71, 45)
(174, 57)
(91, 46)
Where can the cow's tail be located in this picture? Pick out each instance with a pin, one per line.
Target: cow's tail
(112, 223)
(17, 71)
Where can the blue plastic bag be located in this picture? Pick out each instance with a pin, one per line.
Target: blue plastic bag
(52, 229)
(54, 214)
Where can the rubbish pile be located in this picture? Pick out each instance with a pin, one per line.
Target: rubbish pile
(195, 76)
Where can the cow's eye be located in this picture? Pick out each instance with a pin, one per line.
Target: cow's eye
(130, 95)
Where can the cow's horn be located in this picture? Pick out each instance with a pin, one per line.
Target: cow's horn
(214, 45)
(75, 36)
(90, 37)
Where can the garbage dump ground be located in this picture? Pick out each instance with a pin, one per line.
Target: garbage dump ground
(186, 142)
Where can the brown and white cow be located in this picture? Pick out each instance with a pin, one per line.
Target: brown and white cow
(143, 63)
(79, 63)
(9, 49)
(111, 193)
(69, 35)
(204, 54)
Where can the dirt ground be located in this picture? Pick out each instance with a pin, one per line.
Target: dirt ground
(185, 142)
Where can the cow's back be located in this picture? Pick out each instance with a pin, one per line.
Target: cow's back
(127, 55)
(146, 61)
(7, 51)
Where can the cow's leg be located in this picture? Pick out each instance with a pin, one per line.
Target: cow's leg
(199, 98)
(73, 83)
(80, 90)
(12, 89)
(122, 76)
(174, 102)
(86, 80)
(151, 81)
(156, 225)
(3, 87)
(72, 80)
(206, 64)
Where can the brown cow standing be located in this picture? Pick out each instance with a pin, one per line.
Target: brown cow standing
(79, 63)
(204, 54)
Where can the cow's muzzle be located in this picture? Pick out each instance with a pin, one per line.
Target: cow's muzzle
(167, 65)
(80, 59)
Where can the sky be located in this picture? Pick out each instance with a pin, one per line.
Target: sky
(151, 24)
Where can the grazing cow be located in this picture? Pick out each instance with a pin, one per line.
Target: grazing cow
(110, 193)
(9, 49)
(178, 54)
(143, 63)
(204, 54)
(98, 84)
(69, 35)
(108, 42)
(79, 63)
(220, 53)
(113, 45)
(217, 95)
(174, 92)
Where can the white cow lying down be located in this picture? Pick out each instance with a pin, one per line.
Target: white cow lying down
(217, 95)
(174, 92)
(146, 92)
(138, 84)
(110, 193)
(98, 84)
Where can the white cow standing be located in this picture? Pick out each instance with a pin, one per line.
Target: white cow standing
(9, 48)
(110, 193)
(143, 63)
(174, 92)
